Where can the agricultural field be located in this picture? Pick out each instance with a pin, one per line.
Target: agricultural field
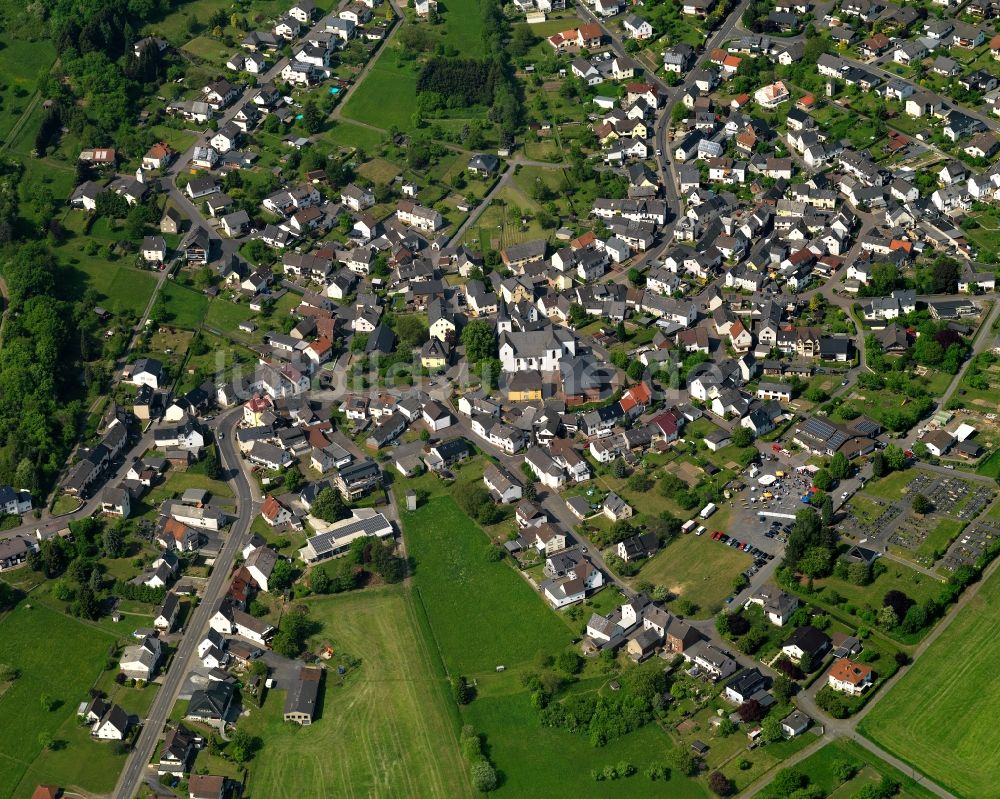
(75, 759)
(390, 730)
(821, 767)
(918, 720)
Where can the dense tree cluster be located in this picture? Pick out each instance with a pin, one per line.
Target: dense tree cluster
(45, 340)
(459, 82)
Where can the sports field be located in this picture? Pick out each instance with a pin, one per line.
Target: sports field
(390, 731)
(64, 668)
(941, 716)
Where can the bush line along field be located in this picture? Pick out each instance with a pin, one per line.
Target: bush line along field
(941, 713)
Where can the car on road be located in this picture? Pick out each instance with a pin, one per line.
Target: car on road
(729, 600)
(583, 550)
(844, 382)
(222, 436)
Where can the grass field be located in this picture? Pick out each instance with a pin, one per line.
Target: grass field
(892, 486)
(64, 668)
(388, 95)
(697, 569)
(941, 716)
(184, 307)
(21, 63)
(122, 287)
(481, 614)
(347, 134)
(390, 731)
(463, 23)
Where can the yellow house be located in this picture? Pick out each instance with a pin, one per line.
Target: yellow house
(524, 387)
(434, 354)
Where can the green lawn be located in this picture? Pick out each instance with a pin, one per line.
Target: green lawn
(481, 614)
(388, 95)
(122, 286)
(347, 134)
(698, 569)
(389, 731)
(22, 61)
(941, 716)
(184, 307)
(892, 486)
(463, 23)
(65, 667)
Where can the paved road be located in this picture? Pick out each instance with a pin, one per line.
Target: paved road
(135, 770)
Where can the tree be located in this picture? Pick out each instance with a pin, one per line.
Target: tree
(839, 467)
(859, 573)
(771, 729)
(944, 276)
(45, 740)
(291, 637)
(242, 745)
(329, 506)
(411, 330)
(312, 117)
(887, 618)
(479, 340)
(47, 702)
(823, 480)
(720, 784)
(922, 504)
(879, 467)
(783, 689)
(884, 278)
(113, 541)
(826, 510)
(750, 711)
(895, 458)
(281, 575)
(684, 762)
(460, 690)
(742, 436)
(484, 776)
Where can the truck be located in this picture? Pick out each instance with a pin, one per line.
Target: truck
(708, 510)
(688, 526)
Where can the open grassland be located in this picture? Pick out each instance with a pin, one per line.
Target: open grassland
(821, 767)
(697, 569)
(61, 657)
(481, 614)
(389, 731)
(941, 716)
